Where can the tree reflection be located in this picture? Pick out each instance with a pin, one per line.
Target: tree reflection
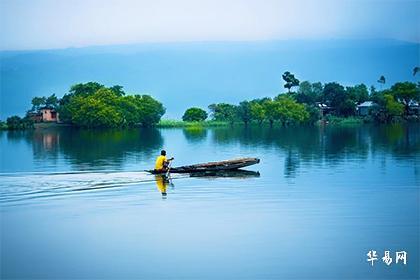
(90, 148)
(195, 134)
(329, 145)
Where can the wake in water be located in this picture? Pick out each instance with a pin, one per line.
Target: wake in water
(22, 186)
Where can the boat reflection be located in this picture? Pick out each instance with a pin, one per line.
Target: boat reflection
(240, 174)
(162, 180)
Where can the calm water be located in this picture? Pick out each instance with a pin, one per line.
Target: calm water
(76, 204)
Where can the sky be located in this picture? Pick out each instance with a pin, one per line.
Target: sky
(52, 24)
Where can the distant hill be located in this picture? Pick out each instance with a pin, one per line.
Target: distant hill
(197, 74)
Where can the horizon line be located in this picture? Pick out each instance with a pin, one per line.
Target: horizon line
(207, 41)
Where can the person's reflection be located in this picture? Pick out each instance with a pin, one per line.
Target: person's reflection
(162, 183)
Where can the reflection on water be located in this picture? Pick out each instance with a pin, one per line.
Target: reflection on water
(195, 134)
(112, 149)
(87, 149)
(77, 204)
(162, 181)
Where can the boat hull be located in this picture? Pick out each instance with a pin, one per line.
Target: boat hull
(225, 165)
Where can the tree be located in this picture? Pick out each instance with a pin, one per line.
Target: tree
(244, 111)
(224, 112)
(106, 107)
(317, 89)
(96, 110)
(381, 81)
(336, 97)
(287, 110)
(118, 90)
(304, 93)
(313, 114)
(392, 107)
(406, 92)
(16, 122)
(81, 89)
(85, 89)
(257, 111)
(358, 93)
(150, 110)
(194, 114)
(309, 93)
(51, 101)
(290, 80)
(284, 109)
(37, 103)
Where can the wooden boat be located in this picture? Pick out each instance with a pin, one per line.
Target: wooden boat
(225, 165)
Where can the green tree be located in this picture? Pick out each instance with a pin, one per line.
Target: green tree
(150, 110)
(317, 89)
(290, 80)
(118, 90)
(37, 103)
(406, 92)
(358, 93)
(107, 107)
(51, 101)
(382, 80)
(16, 122)
(82, 89)
(96, 110)
(194, 114)
(288, 110)
(392, 107)
(3, 125)
(224, 112)
(314, 114)
(244, 111)
(336, 96)
(271, 110)
(85, 88)
(308, 93)
(257, 111)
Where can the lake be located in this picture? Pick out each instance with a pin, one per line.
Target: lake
(77, 203)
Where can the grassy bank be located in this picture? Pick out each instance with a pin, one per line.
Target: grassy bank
(175, 123)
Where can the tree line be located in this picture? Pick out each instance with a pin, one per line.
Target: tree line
(95, 105)
(305, 104)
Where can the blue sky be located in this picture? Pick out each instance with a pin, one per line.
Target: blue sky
(50, 24)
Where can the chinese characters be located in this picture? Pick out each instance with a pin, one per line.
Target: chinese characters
(400, 257)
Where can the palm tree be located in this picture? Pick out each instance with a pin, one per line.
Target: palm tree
(382, 81)
(415, 70)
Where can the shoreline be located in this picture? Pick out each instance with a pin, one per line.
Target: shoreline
(330, 121)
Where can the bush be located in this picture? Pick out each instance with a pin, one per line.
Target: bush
(194, 114)
(16, 122)
(3, 125)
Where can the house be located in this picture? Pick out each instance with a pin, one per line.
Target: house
(45, 114)
(366, 108)
(413, 108)
(49, 114)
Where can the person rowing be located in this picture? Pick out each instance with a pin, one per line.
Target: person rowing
(162, 163)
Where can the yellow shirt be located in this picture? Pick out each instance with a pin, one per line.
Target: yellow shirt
(159, 162)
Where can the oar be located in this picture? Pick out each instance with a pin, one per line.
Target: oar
(169, 168)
